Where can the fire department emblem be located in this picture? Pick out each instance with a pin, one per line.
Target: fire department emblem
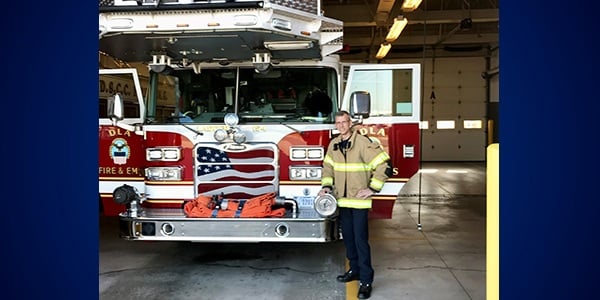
(119, 151)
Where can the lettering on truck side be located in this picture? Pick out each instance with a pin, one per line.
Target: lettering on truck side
(119, 171)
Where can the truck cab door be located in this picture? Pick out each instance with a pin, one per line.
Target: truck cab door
(393, 119)
(121, 153)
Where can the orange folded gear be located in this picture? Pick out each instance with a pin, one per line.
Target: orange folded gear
(256, 207)
(260, 207)
(198, 207)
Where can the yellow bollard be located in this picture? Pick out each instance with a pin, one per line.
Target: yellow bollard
(493, 222)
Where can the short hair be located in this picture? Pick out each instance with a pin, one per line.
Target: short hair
(342, 113)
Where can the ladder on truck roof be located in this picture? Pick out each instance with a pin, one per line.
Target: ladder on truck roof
(180, 32)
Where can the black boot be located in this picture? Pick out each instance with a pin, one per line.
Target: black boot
(364, 291)
(348, 276)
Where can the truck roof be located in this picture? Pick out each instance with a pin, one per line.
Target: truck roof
(185, 31)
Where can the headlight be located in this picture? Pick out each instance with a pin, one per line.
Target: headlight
(231, 119)
(163, 173)
(153, 154)
(239, 137)
(325, 205)
(163, 154)
(297, 153)
(315, 153)
(306, 153)
(305, 173)
(171, 154)
(220, 135)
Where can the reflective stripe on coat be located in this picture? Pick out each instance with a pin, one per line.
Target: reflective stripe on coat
(363, 167)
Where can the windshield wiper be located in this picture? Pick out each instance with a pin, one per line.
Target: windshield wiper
(191, 129)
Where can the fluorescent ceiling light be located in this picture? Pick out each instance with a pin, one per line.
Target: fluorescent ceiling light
(288, 45)
(410, 5)
(397, 27)
(383, 50)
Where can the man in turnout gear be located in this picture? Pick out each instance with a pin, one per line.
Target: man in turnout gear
(354, 169)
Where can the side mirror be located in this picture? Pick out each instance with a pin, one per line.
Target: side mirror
(115, 107)
(360, 104)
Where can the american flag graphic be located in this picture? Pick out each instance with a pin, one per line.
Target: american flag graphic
(236, 174)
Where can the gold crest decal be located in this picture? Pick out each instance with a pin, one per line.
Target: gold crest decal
(119, 151)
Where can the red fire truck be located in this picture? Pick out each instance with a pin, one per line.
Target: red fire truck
(229, 101)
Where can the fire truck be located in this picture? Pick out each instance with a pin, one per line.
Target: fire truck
(210, 105)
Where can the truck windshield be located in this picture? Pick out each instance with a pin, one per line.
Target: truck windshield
(281, 95)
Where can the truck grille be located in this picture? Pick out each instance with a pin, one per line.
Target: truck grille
(236, 171)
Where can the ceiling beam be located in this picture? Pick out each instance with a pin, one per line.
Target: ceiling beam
(352, 19)
(364, 56)
(384, 7)
(456, 39)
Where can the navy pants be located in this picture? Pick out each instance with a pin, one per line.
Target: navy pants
(355, 233)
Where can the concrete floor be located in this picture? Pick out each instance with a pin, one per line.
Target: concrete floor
(445, 260)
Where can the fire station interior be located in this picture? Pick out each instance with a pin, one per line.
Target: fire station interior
(434, 247)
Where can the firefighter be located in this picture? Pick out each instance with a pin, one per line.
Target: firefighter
(354, 169)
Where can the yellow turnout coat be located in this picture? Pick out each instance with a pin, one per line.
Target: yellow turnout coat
(363, 166)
